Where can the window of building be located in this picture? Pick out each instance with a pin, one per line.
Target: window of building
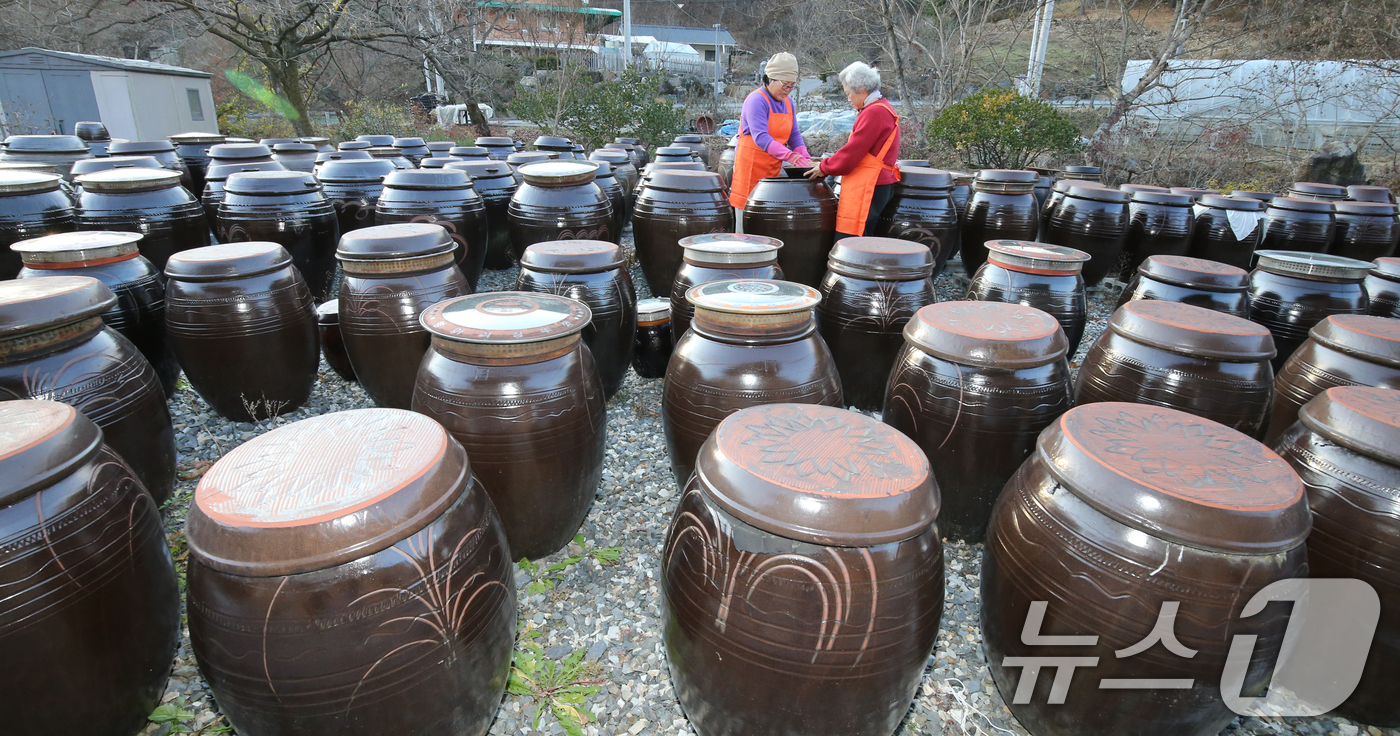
(709, 54)
(196, 104)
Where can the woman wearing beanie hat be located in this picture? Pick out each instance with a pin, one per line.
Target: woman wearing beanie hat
(768, 133)
(866, 164)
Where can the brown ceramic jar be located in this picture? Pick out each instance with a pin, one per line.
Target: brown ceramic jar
(751, 342)
(438, 149)
(1290, 292)
(717, 257)
(295, 156)
(593, 272)
(671, 206)
(675, 154)
(495, 184)
(497, 146)
(414, 149)
(226, 154)
(696, 144)
(54, 346)
(1369, 193)
(1082, 173)
(725, 167)
(112, 258)
(1159, 223)
(1346, 449)
(1002, 207)
(1191, 281)
(558, 201)
(961, 194)
(31, 205)
(1045, 277)
(799, 212)
(243, 327)
(1197, 360)
(445, 198)
(872, 287)
(193, 150)
(973, 386)
(89, 640)
(634, 146)
(655, 338)
(509, 377)
(215, 178)
(555, 144)
(1094, 220)
(1365, 230)
(802, 577)
(58, 151)
(392, 274)
(1297, 224)
(1342, 350)
(147, 201)
(1127, 513)
(626, 175)
(617, 197)
(1056, 195)
(921, 209)
(1226, 230)
(162, 151)
(1383, 287)
(1317, 191)
(353, 188)
(332, 342)
(287, 208)
(348, 577)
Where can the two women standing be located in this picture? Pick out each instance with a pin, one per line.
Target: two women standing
(768, 133)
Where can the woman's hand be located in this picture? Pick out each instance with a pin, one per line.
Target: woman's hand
(816, 172)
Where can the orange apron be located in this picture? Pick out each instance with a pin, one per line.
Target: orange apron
(752, 163)
(858, 187)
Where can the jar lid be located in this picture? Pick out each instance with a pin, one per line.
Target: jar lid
(46, 144)
(922, 176)
(987, 334)
(495, 140)
(1179, 477)
(1366, 209)
(688, 138)
(377, 140)
(1195, 273)
(41, 442)
(1007, 176)
(469, 152)
(1195, 193)
(1261, 196)
(730, 249)
(754, 296)
(619, 146)
(324, 491)
(273, 182)
(818, 474)
(420, 179)
(1163, 197)
(326, 156)
(1301, 205)
(122, 147)
(686, 181)
(573, 256)
(559, 173)
(1063, 185)
(397, 242)
(294, 148)
(656, 167)
(34, 166)
(222, 172)
(520, 158)
(1363, 419)
(611, 156)
(410, 142)
(903, 163)
(328, 312)
(35, 305)
(1388, 267)
(234, 151)
(107, 163)
(673, 151)
(506, 318)
(1135, 188)
(197, 138)
(1037, 258)
(1097, 194)
(354, 146)
(1317, 189)
(129, 180)
(1321, 265)
(1190, 330)
(1081, 172)
(653, 311)
(1227, 203)
(482, 169)
(553, 141)
(1368, 193)
(881, 259)
(79, 249)
(434, 162)
(1375, 339)
(227, 261)
(315, 140)
(441, 145)
(628, 141)
(276, 141)
(19, 181)
(384, 152)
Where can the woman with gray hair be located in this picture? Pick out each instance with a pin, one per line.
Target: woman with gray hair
(866, 164)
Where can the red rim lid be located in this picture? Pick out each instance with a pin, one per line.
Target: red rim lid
(1371, 338)
(987, 334)
(1031, 257)
(1363, 419)
(40, 443)
(1197, 273)
(1190, 330)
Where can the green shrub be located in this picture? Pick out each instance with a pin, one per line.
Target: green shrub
(595, 112)
(377, 118)
(1002, 129)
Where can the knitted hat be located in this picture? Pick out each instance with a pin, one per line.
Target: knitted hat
(782, 67)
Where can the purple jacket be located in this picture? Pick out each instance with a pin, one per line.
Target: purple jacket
(754, 121)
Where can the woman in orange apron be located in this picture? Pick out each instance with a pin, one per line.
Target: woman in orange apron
(768, 133)
(866, 164)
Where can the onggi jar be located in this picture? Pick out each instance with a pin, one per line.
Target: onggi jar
(655, 339)
(31, 205)
(193, 150)
(558, 201)
(1045, 277)
(288, 208)
(921, 209)
(717, 257)
(1226, 230)
(295, 156)
(671, 206)
(1383, 287)
(1365, 230)
(353, 188)
(493, 181)
(1002, 207)
(1193, 281)
(1342, 350)
(1290, 292)
(445, 198)
(1318, 191)
(332, 342)
(1095, 221)
(214, 181)
(1159, 223)
(1297, 224)
(147, 201)
(801, 213)
(498, 146)
(1369, 193)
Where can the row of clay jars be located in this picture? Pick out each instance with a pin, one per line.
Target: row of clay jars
(147, 201)
(331, 341)
(1290, 292)
(1002, 207)
(1193, 281)
(802, 596)
(671, 206)
(559, 200)
(718, 257)
(214, 181)
(91, 612)
(496, 185)
(1383, 287)
(445, 198)
(617, 197)
(1360, 230)
(288, 208)
(1226, 229)
(1342, 350)
(1045, 277)
(593, 272)
(330, 533)
(54, 345)
(31, 205)
(508, 376)
(353, 188)
(921, 209)
(801, 213)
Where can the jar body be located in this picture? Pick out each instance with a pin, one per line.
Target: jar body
(495, 197)
(691, 275)
(1314, 368)
(1155, 229)
(1383, 296)
(923, 215)
(535, 433)
(1097, 228)
(725, 167)
(862, 322)
(195, 156)
(749, 646)
(1102, 577)
(1061, 297)
(541, 214)
(171, 219)
(1214, 238)
(975, 424)
(460, 212)
(996, 216)
(1282, 229)
(802, 214)
(652, 351)
(249, 345)
(612, 189)
(1364, 237)
(313, 654)
(305, 224)
(1290, 306)
(104, 654)
(32, 215)
(333, 345)
(354, 202)
(1145, 287)
(610, 296)
(662, 217)
(709, 378)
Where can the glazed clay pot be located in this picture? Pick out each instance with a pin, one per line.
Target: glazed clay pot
(1093, 220)
(1226, 230)
(353, 187)
(802, 597)
(376, 140)
(635, 146)
(287, 208)
(1198, 360)
(675, 154)
(1082, 173)
(558, 201)
(31, 205)
(1191, 281)
(1365, 230)
(626, 175)
(390, 154)
(1297, 224)
(295, 156)
(332, 342)
(1002, 207)
(751, 343)
(962, 193)
(921, 209)
(524, 158)
(1159, 223)
(494, 183)
(322, 144)
(498, 146)
(696, 144)
(617, 196)
(1057, 195)
(413, 149)
(445, 198)
(717, 257)
(1290, 292)
(1383, 287)
(53, 345)
(439, 149)
(306, 575)
(973, 386)
(872, 287)
(509, 377)
(1091, 538)
(243, 327)
(1346, 449)
(144, 201)
(1368, 193)
(94, 165)
(193, 150)
(655, 338)
(162, 151)
(725, 167)
(1344, 350)
(226, 154)
(802, 214)
(58, 151)
(593, 272)
(112, 258)
(97, 633)
(554, 144)
(671, 206)
(1045, 277)
(1317, 191)
(214, 181)
(392, 274)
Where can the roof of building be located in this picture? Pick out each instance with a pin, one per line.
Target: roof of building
(683, 34)
(106, 62)
(547, 8)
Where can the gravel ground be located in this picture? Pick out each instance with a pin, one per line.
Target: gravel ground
(612, 612)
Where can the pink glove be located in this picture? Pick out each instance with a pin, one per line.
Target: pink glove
(805, 154)
(778, 150)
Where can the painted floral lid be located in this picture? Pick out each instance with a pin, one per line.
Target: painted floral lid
(987, 334)
(753, 296)
(40, 443)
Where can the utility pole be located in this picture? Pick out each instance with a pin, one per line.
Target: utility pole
(626, 33)
(1040, 41)
(717, 73)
